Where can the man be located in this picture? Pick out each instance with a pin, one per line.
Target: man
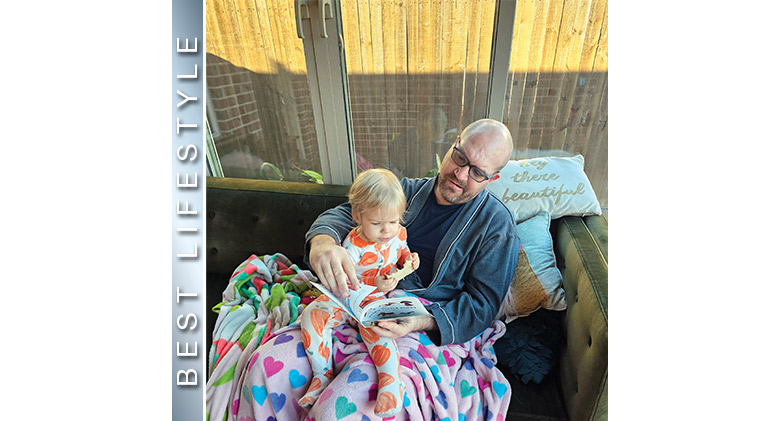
(464, 235)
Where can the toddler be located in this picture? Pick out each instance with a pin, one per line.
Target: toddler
(377, 245)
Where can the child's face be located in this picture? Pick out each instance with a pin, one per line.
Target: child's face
(379, 225)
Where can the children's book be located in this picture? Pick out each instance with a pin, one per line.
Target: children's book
(383, 309)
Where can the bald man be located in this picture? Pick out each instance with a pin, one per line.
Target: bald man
(464, 235)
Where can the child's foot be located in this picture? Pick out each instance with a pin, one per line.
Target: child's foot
(318, 383)
(306, 400)
(389, 413)
(388, 403)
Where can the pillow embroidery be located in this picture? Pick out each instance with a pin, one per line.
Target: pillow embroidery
(554, 184)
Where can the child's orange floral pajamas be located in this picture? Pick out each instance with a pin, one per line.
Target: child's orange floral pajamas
(321, 316)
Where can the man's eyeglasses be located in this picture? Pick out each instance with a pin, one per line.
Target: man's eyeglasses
(460, 159)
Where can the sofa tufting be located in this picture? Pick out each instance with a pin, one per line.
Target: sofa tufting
(245, 217)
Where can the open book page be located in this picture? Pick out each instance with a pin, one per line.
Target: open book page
(384, 309)
(393, 308)
(350, 304)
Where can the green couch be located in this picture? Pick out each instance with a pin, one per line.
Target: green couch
(245, 217)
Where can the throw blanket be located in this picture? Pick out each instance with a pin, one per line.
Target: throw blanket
(262, 296)
(262, 376)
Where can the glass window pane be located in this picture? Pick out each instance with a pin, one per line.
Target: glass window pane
(259, 104)
(557, 97)
(417, 74)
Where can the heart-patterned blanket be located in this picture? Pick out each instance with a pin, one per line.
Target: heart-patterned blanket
(264, 374)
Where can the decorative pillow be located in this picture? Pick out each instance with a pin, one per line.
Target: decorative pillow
(537, 282)
(554, 184)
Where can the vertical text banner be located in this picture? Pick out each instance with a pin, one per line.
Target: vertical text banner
(187, 208)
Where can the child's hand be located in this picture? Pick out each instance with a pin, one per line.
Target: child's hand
(385, 284)
(415, 260)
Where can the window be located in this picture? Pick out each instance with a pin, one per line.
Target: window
(388, 84)
(556, 99)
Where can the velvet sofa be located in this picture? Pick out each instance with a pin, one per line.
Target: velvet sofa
(245, 217)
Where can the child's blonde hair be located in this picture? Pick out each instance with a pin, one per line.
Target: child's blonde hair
(377, 188)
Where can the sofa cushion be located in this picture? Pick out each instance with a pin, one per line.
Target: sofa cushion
(537, 281)
(246, 217)
(554, 184)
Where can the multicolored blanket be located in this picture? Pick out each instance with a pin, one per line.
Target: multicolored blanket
(263, 295)
(257, 375)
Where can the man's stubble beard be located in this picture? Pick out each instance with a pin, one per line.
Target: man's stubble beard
(451, 196)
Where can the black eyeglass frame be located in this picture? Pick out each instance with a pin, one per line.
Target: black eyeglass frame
(472, 168)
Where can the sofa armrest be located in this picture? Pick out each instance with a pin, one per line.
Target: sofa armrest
(581, 249)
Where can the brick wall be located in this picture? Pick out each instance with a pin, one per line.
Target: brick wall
(261, 118)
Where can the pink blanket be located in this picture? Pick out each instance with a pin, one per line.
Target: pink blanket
(451, 382)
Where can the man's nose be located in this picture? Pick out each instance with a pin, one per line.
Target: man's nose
(462, 173)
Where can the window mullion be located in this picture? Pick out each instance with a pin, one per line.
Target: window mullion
(327, 85)
(499, 58)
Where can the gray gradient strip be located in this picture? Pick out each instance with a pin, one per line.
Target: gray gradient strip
(188, 294)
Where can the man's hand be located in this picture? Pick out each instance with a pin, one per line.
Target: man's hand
(332, 264)
(401, 327)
